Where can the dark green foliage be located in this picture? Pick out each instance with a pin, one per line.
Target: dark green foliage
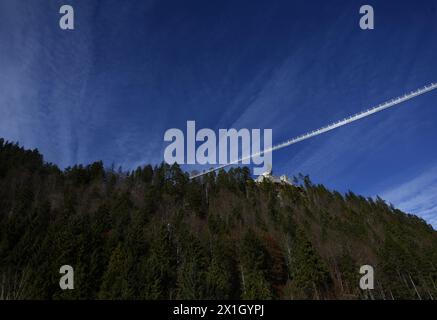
(159, 267)
(222, 273)
(154, 234)
(115, 279)
(254, 268)
(309, 274)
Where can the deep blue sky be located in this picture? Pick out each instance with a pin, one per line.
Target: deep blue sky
(133, 69)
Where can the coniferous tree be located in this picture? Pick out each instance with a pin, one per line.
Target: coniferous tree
(155, 234)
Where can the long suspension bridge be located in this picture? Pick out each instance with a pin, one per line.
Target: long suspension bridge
(332, 126)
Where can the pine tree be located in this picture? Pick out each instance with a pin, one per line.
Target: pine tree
(114, 284)
(309, 273)
(159, 267)
(254, 268)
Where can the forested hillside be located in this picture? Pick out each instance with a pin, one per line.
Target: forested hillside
(154, 234)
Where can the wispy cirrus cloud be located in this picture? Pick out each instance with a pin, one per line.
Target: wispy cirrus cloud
(417, 196)
(43, 82)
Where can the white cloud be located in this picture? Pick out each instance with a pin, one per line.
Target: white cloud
(417, 196)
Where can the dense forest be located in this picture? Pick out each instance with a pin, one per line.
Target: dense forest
(152, 233)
